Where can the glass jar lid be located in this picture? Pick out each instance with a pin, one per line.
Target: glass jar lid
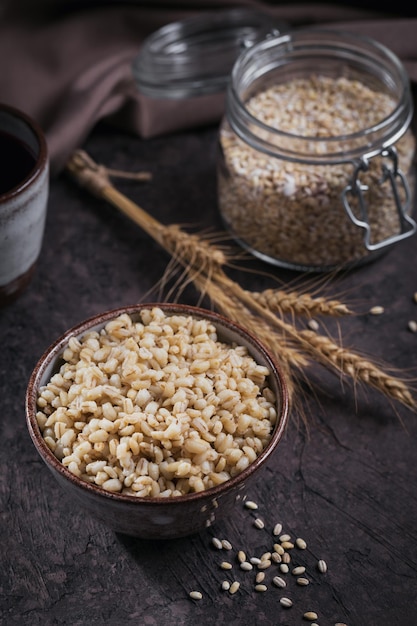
(195, 56)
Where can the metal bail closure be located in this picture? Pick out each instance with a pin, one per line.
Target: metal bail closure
(397, 181)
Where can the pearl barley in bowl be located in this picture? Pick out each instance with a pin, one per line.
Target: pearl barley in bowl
(154, 418)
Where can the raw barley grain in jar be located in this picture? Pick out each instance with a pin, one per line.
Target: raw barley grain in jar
(316, 151)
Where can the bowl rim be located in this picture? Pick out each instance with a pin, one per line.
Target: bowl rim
(52, 353)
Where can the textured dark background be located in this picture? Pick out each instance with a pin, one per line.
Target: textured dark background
(348, 486)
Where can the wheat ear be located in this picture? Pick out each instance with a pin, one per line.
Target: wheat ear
(356, 367)
(299, 303)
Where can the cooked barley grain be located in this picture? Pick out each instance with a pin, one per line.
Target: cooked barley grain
(154, 406)
(377, 310)
(241, 556)
(310, 615)
(279, 582)
(234, 587)
(246, 566)
(196, 595)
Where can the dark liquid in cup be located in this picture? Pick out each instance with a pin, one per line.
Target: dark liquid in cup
(17, 161)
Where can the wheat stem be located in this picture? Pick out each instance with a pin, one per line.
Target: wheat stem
(203, 265)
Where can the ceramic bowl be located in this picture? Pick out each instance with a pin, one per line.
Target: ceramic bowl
(157, 517)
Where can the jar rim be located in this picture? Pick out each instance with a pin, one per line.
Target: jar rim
(358, 49)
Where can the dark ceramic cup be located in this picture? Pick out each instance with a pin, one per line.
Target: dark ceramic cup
(24, 188)
(150, 517)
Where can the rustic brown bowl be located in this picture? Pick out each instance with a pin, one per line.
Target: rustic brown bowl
(157, 518)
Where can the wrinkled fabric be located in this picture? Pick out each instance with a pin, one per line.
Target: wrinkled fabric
(68, 64)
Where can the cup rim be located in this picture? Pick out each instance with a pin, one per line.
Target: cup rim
(51, 354)
(41, 158)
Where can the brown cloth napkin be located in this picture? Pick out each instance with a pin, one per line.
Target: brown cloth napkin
(70, 67)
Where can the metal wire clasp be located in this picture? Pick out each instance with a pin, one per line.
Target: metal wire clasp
(397, 180)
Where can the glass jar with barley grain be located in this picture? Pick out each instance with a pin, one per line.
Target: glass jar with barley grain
(316, 150)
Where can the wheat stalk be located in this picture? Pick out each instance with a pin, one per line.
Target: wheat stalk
(204, 264)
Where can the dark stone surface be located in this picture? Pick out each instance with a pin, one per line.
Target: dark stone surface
(348, 486)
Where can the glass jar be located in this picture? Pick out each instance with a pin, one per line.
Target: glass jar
(194, 57)
(316, 152)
